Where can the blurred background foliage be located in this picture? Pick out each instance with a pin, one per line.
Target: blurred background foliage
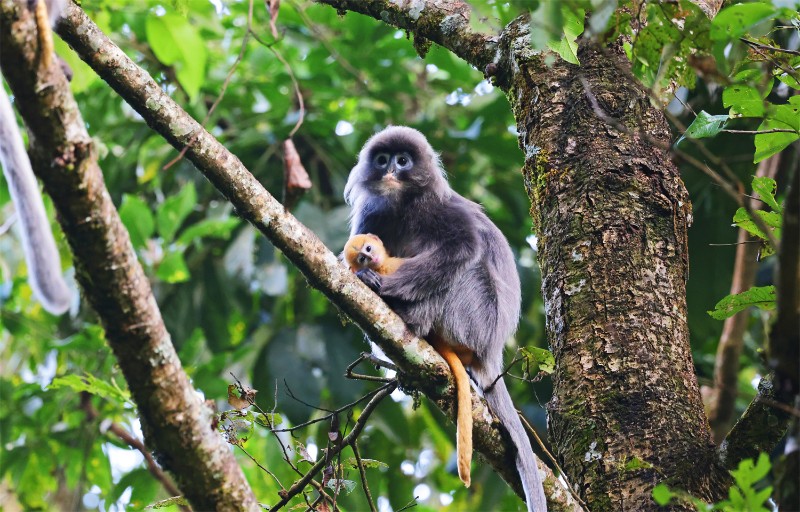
(232, 302)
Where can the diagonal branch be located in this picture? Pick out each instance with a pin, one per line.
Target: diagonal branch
(444, 22)
(174, 418)
(424, 367)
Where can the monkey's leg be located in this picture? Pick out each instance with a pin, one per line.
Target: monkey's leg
(463, 404)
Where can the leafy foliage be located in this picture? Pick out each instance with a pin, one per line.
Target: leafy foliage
(762, 297)
(748, 493)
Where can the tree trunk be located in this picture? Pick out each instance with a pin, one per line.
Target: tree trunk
(611, 214)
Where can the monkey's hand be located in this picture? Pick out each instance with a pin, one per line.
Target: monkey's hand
(370, 278)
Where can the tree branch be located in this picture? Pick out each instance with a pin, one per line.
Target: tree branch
(444, 22)
(413, 356)
(175, 420)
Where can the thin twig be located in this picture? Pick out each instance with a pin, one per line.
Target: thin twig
(503, 373)
(411, 504)
(358, 376)
(553, 460)
(135, 443)
(288, 68)
(8, 223)
(337, 411)
(357, 428)
(756, 44)
(760, 132)
(363, 474)
(267, 471)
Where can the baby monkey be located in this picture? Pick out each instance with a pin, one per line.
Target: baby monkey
(367, 251)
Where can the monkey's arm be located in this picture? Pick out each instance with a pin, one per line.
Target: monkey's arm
(434, 269)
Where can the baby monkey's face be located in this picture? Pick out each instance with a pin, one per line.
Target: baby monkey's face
(364, 251)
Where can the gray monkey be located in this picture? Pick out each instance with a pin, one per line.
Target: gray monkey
(41, 254)
(458, 281)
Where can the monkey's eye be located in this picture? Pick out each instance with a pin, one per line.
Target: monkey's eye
(403, 161)
(382, 160)
(361, 260)
(368, 248)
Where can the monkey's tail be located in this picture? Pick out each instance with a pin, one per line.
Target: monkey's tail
(464, 410)
(38, 244)
(501, 405)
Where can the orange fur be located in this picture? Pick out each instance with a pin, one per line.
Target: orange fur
(368, 251)
(46, 48)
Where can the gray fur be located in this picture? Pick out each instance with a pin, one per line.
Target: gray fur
(41, 254)
(459, 278)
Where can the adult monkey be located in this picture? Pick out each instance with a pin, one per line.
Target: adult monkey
(458, 281)
(41, 254)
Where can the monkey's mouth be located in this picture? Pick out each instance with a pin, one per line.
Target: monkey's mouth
(390, 184)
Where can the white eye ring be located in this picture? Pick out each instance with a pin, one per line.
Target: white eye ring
(403, 161)
(382, 160)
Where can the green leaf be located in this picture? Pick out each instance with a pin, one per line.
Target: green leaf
(367, 463)
(785, 117)
(733, 22)
(541, 357)
(172, 268)
(743, 100)
(705, 125)
(662, 495)
(743, 220)
(138, 219)
(337, 484)
(269, 420)
(209, 228)
(567, 46)
(89, 383)
(175, 500)
(172, 212)
(785, 77)
(765, 187)
(176, 42)
(762, 297)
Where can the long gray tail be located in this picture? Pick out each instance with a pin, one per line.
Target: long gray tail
(500, 402)
(41, 254)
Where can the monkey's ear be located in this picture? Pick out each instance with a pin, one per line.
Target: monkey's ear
(374, 237)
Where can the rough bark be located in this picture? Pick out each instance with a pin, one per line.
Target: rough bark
(611, 214)
(423, 367)
(176, 422)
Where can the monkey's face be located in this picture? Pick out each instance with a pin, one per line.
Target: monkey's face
(392, 170)
(364, 251)
(394, 164)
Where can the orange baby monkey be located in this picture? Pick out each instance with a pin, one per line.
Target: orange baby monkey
(367, 251)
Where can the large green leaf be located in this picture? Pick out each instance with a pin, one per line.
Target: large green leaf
(138, 219)
(783, 117)
(705, 125)
(734, 21)
(762, 297)
(177, 43)
(172, 212)
(743, 100)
